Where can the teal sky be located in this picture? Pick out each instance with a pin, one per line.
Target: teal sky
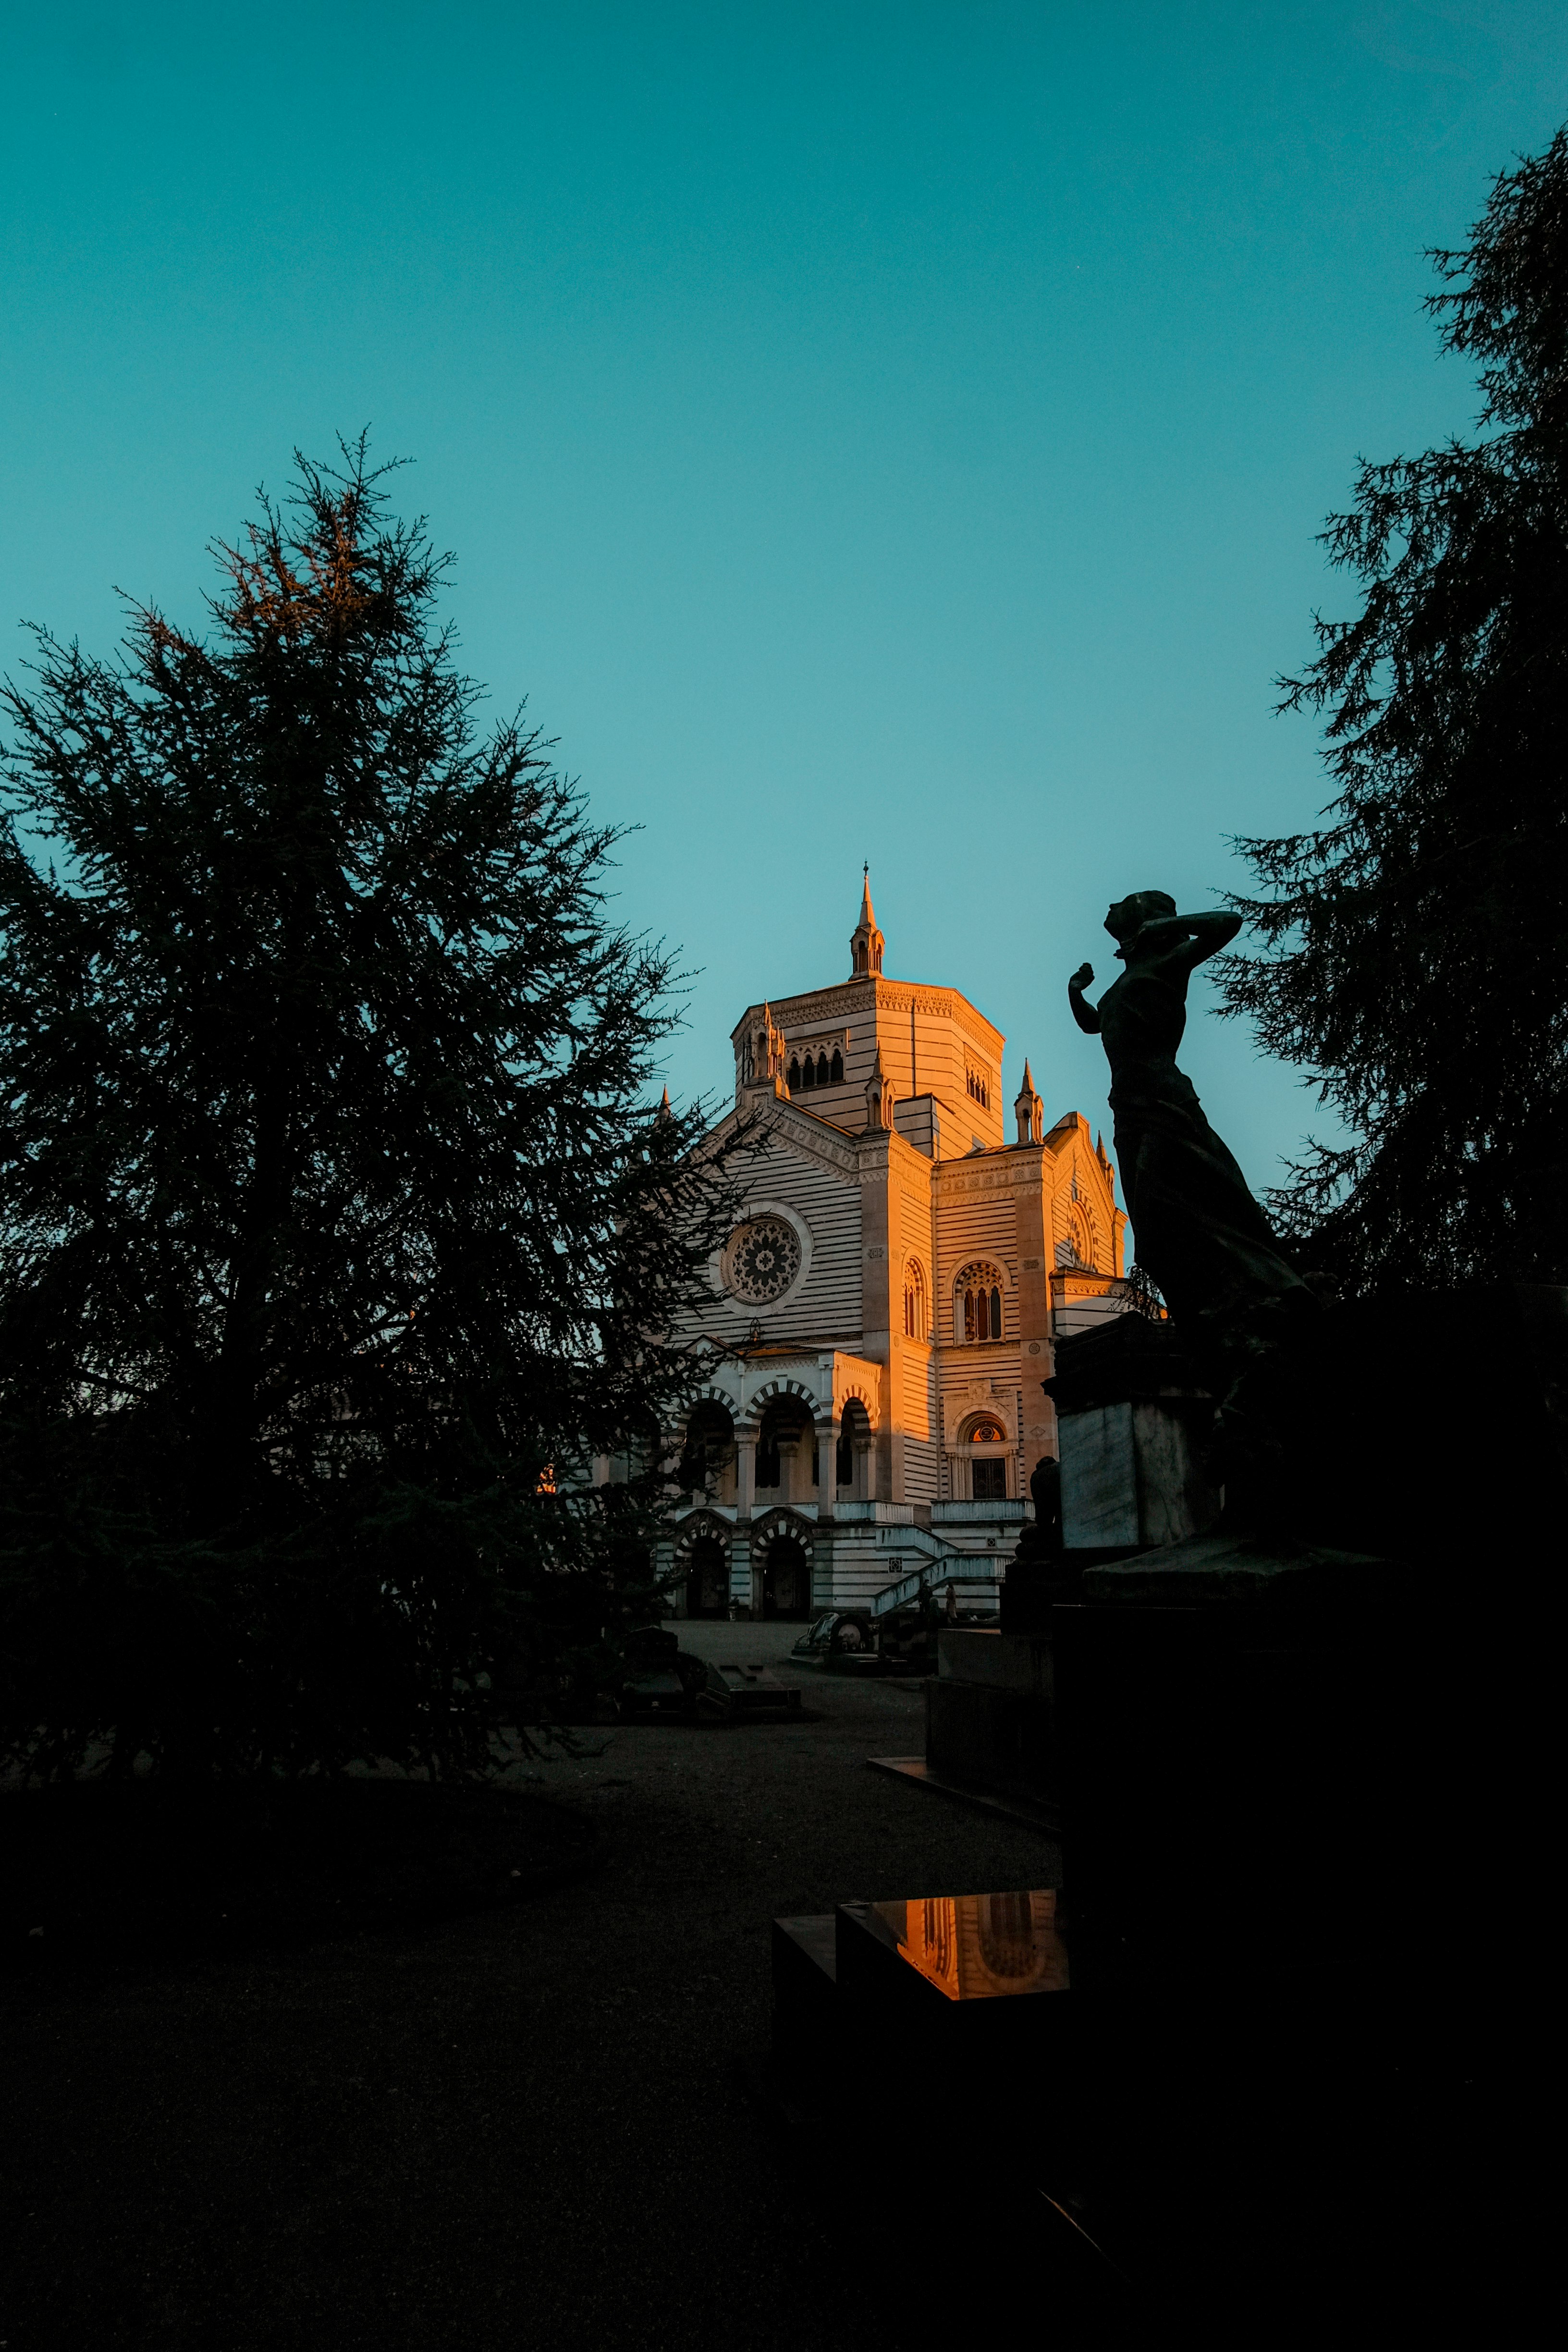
(892, 432)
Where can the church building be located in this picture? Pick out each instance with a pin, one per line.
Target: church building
(887, 1300)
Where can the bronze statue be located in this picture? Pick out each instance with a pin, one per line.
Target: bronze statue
(1198, 1230)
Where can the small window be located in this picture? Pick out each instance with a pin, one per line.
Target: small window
(915, 1320)
(822, 1069)
(977, 1304)
(990, 1481)
(808, 1073)
(793, 1076)
(837, 1071)
(988, 1432)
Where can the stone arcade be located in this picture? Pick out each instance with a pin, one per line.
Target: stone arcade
(887, 1301)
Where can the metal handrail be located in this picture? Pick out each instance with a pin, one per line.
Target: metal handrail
(957, 1567)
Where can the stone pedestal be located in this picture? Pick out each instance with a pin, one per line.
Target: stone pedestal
(1235, 1716)
(991, 1713)
(1132, 1416)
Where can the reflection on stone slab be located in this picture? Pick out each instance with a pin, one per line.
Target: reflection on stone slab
(981, 1947)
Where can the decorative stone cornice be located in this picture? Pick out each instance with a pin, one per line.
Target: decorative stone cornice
(873, 995)
(1019, 1168)
(820, 1004)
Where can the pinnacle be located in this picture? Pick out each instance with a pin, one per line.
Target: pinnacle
(866, 941)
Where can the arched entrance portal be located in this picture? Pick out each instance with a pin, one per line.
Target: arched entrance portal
(707, 1579)
(787, 1580)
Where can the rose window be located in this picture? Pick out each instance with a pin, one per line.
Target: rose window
(763, 1259)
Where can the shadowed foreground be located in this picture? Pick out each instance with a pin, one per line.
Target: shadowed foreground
(521, 2127)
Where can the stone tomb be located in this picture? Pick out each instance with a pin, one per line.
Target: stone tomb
(941, 1990)
(1132, 1418)
(1269, 2154)
(991, 1715)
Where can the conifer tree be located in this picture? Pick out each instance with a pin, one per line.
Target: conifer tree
(1414, 952)
(339, 1232)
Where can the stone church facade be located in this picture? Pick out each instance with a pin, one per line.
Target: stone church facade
(886, 1302)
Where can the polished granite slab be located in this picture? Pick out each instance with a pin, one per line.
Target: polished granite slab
(973, 1946)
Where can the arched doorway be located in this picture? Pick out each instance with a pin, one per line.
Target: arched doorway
(985, 1443)
(708, 1578)
(786, 1451)
(786, 1578)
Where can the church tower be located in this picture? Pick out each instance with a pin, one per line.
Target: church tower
(875, 1330)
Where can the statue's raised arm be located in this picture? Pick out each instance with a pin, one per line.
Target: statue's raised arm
(1084, 1013)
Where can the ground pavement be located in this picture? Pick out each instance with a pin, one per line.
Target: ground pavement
(523, 2127)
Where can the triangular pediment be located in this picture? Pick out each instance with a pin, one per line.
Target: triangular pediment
(782, 1125)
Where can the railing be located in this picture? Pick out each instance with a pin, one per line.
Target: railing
(882, 1515)
(1008, 1512)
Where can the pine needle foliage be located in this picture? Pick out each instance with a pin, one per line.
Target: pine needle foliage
(338, 1231)
(1415, 949)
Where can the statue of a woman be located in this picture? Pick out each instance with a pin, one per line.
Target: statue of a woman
(1198, 1230)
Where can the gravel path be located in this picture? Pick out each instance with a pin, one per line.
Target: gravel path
(522, 2129)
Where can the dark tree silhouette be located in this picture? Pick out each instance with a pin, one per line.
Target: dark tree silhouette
(1416, 949)
(339, 1231)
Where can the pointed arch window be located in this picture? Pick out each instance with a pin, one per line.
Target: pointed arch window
(808, 1072)
(836, 1068)
(917, 1318)
(793, 1075)
(977, 1303)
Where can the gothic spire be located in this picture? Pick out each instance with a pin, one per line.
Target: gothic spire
(878, 1096)
(865, 941)
(1029, 1109)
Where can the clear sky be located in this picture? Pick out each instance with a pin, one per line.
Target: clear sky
(869, 431)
